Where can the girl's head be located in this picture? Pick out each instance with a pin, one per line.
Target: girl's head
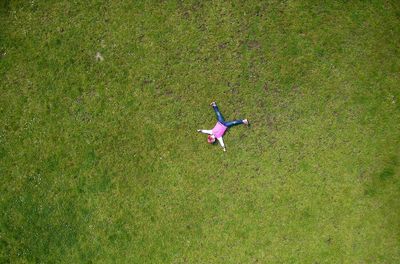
(210, 139)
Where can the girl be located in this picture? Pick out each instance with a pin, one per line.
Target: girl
(219, 130)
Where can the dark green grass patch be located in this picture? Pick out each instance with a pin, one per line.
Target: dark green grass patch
(100, 160)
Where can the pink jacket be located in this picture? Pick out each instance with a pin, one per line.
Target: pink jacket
(219, 130)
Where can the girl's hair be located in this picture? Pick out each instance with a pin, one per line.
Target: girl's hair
(210, 139)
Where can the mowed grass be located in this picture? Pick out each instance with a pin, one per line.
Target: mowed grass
(100, 161)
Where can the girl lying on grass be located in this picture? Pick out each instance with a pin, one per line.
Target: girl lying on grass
(219, 130)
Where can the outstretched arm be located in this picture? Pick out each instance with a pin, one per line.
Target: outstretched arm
(221, 142)
(209, 132)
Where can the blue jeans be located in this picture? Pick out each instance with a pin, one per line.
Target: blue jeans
(221, 119)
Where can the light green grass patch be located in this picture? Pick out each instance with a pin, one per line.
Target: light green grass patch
(100, 161)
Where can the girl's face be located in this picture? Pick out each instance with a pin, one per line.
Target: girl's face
(210, 139)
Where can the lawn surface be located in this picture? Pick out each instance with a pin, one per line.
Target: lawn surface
(100, 161)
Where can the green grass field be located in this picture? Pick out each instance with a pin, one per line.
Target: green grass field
(100, 161)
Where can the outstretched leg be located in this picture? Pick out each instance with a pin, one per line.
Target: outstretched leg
(236, 122)
(220, 118)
